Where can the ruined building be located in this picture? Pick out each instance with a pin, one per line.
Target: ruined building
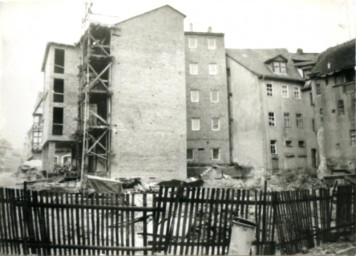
(116, 100)
(33, 143)
(333, 92)
(271, 117)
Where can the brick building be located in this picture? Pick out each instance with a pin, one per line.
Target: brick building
(333, 91)
(207, 106)
(271, 124)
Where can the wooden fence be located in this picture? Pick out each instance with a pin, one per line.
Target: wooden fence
(184, 221)
(71, 224)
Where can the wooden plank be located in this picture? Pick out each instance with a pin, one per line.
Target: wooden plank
(127, 226)
(145, 221)
(200, 217)
(133, 223)
(180, 194)
(184, 224)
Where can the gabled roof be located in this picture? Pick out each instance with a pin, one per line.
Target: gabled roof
(164, 6)
(49, 44)
(278, 57)
(254, 61)
(340, 57)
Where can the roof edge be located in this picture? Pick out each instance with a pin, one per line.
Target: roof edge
(167, 5)
(49, 44)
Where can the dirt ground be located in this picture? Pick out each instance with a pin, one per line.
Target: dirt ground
(345, 246)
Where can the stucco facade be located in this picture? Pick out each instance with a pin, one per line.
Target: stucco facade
(206, 99)
(264, 109)
(333, 90)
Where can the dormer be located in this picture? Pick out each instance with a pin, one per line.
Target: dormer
(278, 65)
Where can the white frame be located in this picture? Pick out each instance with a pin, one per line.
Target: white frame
(198, 124)
(211, 46)
(285, 91)
(296, 89)
(269, 89)
(212, 154)
(299, 120)
(217, 94)
(274, 147)
(269, 119)
(193, 69)
(284, 120)
(213, 69)
(192, 42)
(192, 98)
(212, 124)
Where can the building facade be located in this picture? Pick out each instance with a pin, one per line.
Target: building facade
(60, 103)
(206, 99)
(333, 91)
(271, 123)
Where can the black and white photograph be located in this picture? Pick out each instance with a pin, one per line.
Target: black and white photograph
(166, 127)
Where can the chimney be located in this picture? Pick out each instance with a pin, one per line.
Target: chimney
(209, 29)
(191, 27)
(300, 51)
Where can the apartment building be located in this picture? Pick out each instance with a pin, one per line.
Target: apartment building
(333, 91)
(207, 105)
(271, 125)
(60, 103)
(33, 144)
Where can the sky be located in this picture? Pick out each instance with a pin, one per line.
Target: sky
(26, 27)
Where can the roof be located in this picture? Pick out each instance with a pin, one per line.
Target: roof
(38, 101)
(254, 61)
(49, 44)
(340, 57)
(297, 57)
(164, 6)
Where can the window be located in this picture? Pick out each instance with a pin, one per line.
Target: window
(301, 143)
(326, 81)
(215, 124)
(299, 120)
(321, 112)
(192, 42)
(228, 72)
(285, 93)
(311, 99)
(195, 124)
(58, 90)
(340, 107)
(56, 160)
(216, 153)
(296, 90)
(59, 61)
(289, 143)
(279, 67)
(57, 128)
(317, 89)
(353, 137)
(211, 43)
(349, 75)
(271, 120)
(190, 154)
(273, 146)
(66, 160)
(193, 68)
(194, 96)
(213, 69)
(269, 89)
(313, 124)
(286, 120)
(214, 96)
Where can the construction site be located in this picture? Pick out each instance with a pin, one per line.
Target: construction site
(151, 140)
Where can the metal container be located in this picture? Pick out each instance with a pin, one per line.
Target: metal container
(242, 235)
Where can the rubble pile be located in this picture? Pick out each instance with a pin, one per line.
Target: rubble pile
(344, 246)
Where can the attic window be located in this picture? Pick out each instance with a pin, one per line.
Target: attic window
(279, 67)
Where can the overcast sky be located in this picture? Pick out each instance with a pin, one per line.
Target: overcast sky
(26, 27)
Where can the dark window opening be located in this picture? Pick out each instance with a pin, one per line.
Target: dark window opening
(317, 89)
(57, 128)
(190, 155)
(349, 75)
(341, 107)
(311, 99)
(301, 143)
(288, 143)
(58, 88)
(59, 61)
